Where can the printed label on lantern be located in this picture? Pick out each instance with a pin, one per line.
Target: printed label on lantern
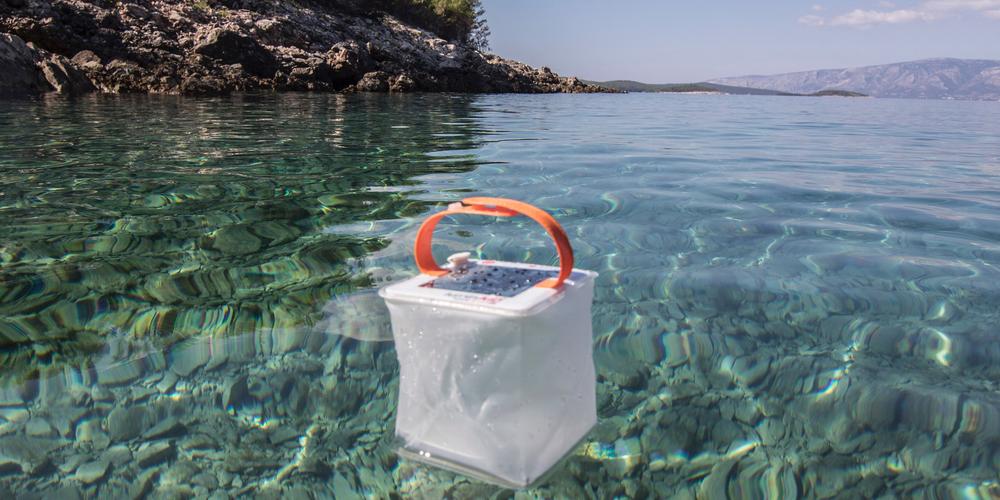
(486, 285)
(491, 279)
(483, 299)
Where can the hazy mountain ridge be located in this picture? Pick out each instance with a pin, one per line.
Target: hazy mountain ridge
(710, 88)
(923, 79)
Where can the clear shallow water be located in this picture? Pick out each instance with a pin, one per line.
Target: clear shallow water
(797, 295)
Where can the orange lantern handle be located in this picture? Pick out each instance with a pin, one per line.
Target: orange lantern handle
(497, 207)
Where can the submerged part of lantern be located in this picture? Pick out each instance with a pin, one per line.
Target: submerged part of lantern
(496, 363)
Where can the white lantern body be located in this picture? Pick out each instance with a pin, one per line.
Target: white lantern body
(499, 386)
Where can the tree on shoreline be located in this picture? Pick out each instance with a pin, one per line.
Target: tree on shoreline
(456, 20)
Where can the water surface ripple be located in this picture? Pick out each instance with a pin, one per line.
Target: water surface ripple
(797, 296)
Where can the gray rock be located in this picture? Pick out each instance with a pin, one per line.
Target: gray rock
(181, 472)
(206, 480)
(31, 455)
(102, 394)
(134, 11)
(168, 427)
(15, 414)
(235, 392)
(343, 488)
(141, 393)
(91, 472)
(119, 373)
(70, 464)
(167, 382)
(375, 81)
(39, 427)
(402, 83)
(89, 431)
(199, 442)
(181, 47)
(65, 492)
(117, 455)
(65, 419)
(9, 396)
(87, 60)
(347, 63)
(190, 356)
(10, 466)
(301, 493)
(715, 485)
(154, 453)
(20, 74)
(231, 47)
(64, 77)
(143, 485)
(282, 435)
(125, 424)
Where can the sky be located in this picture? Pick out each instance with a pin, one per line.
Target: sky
(669, 41)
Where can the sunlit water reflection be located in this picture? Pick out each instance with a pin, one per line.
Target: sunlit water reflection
(797, 296)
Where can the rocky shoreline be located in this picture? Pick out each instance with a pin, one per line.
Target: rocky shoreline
(212, 47)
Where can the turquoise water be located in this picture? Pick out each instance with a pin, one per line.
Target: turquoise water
(797, 296)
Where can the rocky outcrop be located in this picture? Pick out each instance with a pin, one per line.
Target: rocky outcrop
(216, 46)
(27, 69)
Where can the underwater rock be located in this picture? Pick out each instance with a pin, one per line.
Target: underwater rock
(166, 384)
(236, 240)
(199, 442)
(189, 356)
(30, 454)
(168, 427)
(117, 455)
(39, 427)
(715, 485)
(154, 453)
(65, 492)
(205, 480)
(126, 424)
(119, 373)
(235, 392)
(91, 472)
(180, 473)
(102, 394)
(89, 431)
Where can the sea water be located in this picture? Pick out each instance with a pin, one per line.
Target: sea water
(797, 296)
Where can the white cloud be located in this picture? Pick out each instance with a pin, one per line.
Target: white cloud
(818, 8)
(929, 10)
(811, 20)
(860, 17)
(951, 5)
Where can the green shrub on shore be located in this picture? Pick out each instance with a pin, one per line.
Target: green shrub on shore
(459, 20)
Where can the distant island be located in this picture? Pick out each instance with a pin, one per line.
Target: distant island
(714, 88)
(947, 78)
(219, 46)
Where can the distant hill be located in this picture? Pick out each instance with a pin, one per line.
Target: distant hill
(712, 88)
(924, 79)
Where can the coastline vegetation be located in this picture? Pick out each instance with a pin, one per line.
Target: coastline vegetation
(456, 20)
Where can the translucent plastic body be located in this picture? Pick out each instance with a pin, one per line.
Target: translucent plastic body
(503, 390)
